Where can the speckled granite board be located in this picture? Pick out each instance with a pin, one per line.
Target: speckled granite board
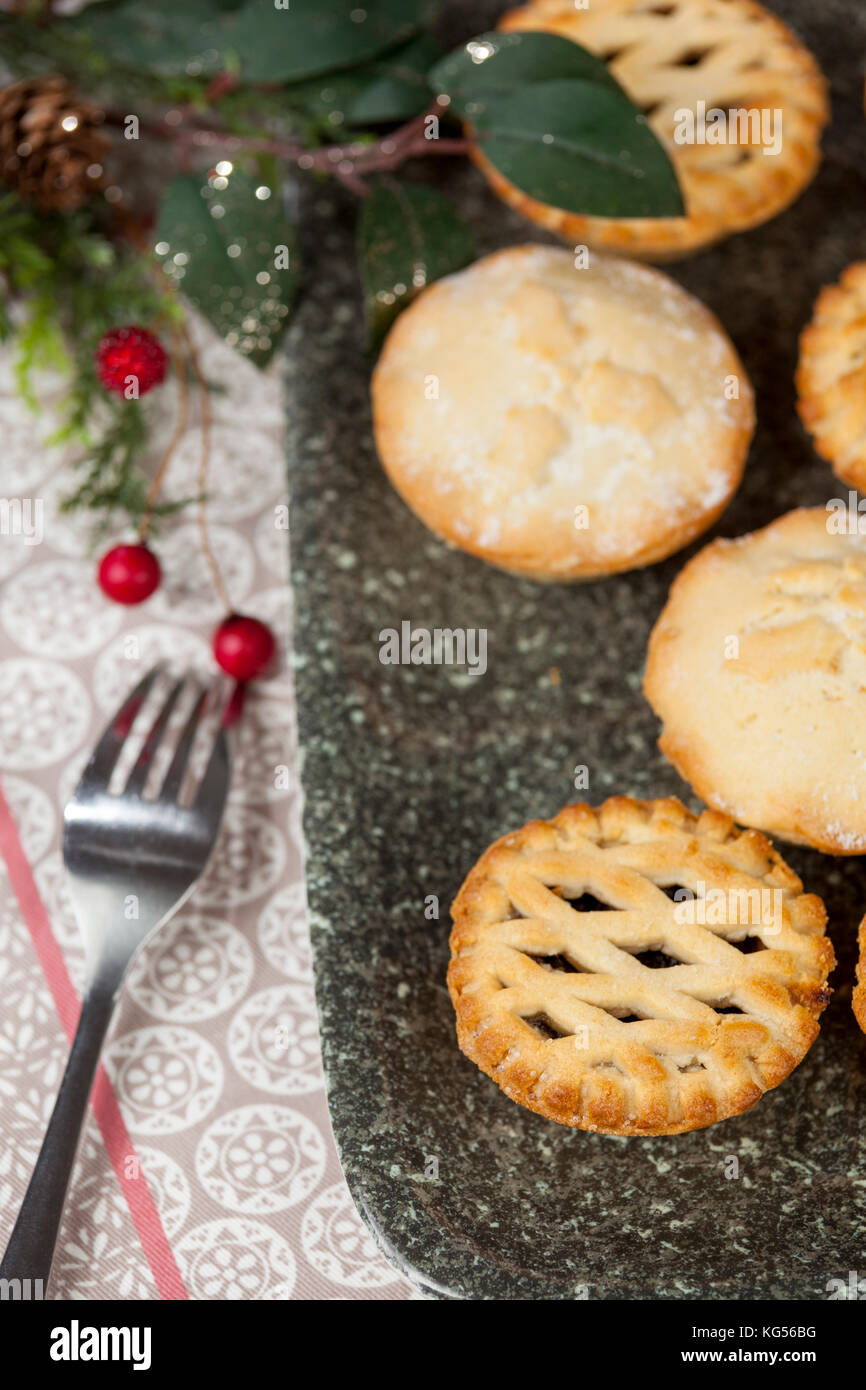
(409, 772)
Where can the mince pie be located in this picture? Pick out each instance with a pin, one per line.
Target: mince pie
(562, 420)
(831, 375)
(756, 97)
(757, 670)
(634, 969)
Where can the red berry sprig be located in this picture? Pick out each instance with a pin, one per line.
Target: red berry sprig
(130, 357)
(129, 573)
(243, 647)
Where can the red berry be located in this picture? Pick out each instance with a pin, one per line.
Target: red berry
(129, 573)
(243, 647)
(130, 352)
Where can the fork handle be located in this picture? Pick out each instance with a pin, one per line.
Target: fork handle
(31, 1246)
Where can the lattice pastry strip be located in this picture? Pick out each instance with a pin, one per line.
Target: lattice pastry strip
(595, 997)
(731, 55)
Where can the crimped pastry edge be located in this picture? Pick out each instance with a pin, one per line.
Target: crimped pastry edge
(858, 999)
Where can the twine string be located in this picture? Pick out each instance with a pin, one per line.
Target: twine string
(179, 369)
(204, 463)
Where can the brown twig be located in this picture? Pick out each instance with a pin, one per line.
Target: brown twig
(349, 163)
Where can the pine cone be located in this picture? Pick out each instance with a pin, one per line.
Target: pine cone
(51, 146)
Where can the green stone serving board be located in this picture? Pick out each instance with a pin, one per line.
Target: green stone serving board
(409, 772)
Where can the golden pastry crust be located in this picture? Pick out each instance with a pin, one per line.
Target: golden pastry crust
(562, 422)
(831, 375)
(730, 54)
(858, 1000)
(757, 670)
(541, 989)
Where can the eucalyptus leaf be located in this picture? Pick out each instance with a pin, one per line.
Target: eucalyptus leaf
(551, 119)
(393, 87)
(233, 255)
(308, 37)
(408, 236)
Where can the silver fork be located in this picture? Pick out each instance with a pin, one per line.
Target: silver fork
(130, 861)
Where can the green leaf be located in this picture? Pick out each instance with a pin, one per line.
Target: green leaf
(408, 236)
(495, 64)
(580, 147)
(267, 44)
(225, 249)
(309, 37)
(552, 120)
(160, 36)
(391, 88)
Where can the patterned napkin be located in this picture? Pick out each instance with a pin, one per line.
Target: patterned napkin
(207, 1169)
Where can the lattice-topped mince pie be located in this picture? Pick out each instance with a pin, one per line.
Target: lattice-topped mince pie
(831, 375)
(699, 56)
(595, 990)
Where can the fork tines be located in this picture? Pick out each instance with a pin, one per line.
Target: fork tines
(164, 761)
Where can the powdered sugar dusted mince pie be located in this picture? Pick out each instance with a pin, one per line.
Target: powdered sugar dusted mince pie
(559, 422)
(727, 55)
(757, 670)
(593, 997)
(831, 375)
